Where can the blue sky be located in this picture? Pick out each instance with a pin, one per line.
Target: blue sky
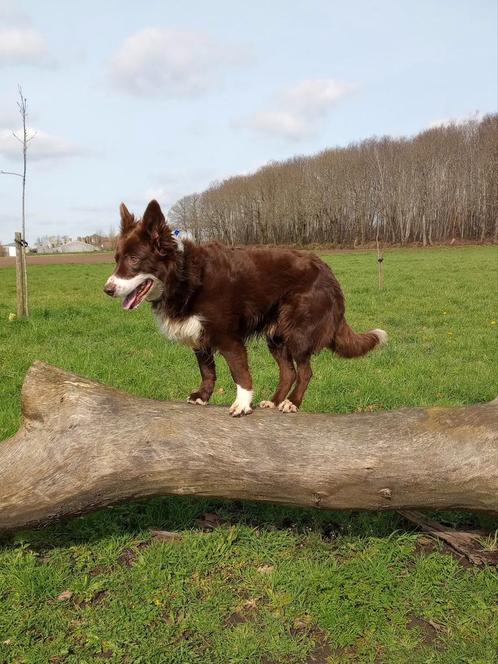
(133, 100)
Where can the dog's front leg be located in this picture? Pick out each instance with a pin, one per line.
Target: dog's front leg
(235, 355)
(207, 367)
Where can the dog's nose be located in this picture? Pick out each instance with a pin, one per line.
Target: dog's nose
(110, 289)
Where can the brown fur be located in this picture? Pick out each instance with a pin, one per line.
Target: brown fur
(291, 297)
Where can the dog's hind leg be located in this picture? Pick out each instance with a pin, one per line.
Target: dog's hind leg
(207, 367)
(304, 375)
(286, 370)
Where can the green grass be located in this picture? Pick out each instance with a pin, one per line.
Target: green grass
(270, 584)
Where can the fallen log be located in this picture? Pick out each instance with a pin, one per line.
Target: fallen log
(83, 445)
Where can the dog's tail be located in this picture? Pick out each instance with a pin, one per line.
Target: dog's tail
(348, 343)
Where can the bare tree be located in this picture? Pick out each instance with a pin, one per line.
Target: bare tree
(438, 185)
(24, 140)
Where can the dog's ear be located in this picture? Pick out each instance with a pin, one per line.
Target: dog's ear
(127, 219)
(156, 229)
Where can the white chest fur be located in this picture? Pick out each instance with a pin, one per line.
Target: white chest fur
(186, 331)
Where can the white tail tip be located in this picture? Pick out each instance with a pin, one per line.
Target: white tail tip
(382, 336)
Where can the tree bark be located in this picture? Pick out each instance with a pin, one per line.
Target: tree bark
(83, 445)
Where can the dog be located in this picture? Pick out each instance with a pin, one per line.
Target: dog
(213, 298)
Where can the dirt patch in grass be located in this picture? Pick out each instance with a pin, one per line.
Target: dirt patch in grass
(106, 654)
(99, 597)
(322, 650)
(428, 629)
(425, 546)
(129, 555)
(97, 571)
(127, 558)
(236, 619)
(94, 600)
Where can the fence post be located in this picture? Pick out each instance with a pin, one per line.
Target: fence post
(21, 285)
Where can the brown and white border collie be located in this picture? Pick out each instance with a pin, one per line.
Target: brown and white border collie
(213, 298)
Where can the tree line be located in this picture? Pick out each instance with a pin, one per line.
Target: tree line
(438, 186)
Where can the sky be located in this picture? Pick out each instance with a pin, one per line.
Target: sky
(130, 101)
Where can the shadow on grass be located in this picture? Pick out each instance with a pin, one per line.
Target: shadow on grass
(134, 519)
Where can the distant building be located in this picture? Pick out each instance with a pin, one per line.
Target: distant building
(75, 246)
(10, 248)
(44, 249)
(102, 242)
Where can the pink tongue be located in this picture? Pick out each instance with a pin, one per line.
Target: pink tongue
(130, 300)
(136, 296)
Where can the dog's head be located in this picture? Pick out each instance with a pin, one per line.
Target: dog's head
(145, 253)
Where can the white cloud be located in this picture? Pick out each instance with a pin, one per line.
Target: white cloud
(20, 42)
(476, 116)
(316, 96)
(44, 146)
(162, 62)
(22, 46)
(286, 124)
(299, 109)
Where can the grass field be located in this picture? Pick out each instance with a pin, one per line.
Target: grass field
(268, 584)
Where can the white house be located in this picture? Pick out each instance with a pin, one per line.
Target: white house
(11, 249)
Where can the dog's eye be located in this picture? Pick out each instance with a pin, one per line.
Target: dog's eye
(133, 260)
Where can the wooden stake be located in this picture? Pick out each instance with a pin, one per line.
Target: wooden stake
(21, 290)
(24, 279)
(380, 261)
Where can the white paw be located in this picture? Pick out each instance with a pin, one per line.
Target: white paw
(238, 409)
(287, 407)
(197, 402)
(242, 404)
(266, 404)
